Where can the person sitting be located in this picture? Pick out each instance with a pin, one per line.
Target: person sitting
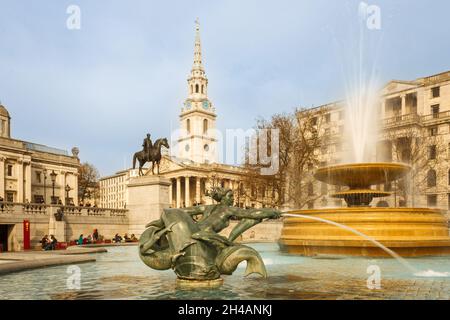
(126, 237)
(117, 238)
(89, 239)
(133, 238)
(95, 235)
(80, 239)
(44, 242)
(53, 242)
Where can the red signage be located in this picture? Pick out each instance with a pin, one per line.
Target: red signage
(26, 235)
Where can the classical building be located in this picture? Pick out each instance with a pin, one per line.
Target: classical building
(35, 173)
(414, 127)
(35, 182)
(194, 169)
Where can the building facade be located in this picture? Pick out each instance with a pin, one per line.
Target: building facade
(414, 128)
(35, 173)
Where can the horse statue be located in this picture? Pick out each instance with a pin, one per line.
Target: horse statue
(153, 156)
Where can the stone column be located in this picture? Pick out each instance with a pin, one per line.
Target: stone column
(403, 96)
(170, 193)
(75, 188)
(187, 196)
(28, 181)
(62, 187)
(208, 199)
(2, 177)
(20, 181)
(178, 204)
(197, 190)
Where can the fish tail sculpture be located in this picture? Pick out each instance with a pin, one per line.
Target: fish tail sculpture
(229, 258)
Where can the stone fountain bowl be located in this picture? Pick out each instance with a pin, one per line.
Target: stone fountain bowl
(362, 175)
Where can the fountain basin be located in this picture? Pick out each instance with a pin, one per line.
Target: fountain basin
(410, 232)
(361, 175)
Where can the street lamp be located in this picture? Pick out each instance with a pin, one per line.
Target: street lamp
(53, 177)
(67, 188)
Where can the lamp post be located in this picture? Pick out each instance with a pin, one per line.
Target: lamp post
(45, 187)
(53, 177)
(67, 188)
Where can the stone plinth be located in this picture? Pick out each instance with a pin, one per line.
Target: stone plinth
(58, 229)
(147, 197)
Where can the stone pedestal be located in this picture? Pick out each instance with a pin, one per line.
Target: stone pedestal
(147, 197)
(58, 229)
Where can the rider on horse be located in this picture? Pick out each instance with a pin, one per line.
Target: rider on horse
(147, 144)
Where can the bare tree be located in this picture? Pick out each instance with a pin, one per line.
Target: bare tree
(424, 152)
(300, 137)
(88, 185)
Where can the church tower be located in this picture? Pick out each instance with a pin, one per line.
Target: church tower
(197, 140)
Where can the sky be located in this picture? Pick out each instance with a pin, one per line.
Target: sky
(123, 73)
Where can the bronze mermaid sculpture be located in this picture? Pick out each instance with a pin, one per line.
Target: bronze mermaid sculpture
(194, 249)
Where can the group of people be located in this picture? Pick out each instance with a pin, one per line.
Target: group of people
(49, 243)
(117, 238)
(91, 238)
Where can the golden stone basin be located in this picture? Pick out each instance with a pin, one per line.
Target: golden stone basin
(362, 175)
(410, 232)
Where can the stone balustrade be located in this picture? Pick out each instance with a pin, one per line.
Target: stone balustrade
(37, 209)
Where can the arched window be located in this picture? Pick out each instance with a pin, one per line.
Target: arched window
(205, 125)
(202, 89)
(196, 88)
(431, 178)
(188, 125)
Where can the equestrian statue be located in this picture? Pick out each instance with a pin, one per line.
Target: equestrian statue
(150, 153)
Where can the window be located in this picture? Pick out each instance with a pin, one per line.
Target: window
(432, 200)
(38, 176)
(205, 125)
(192, 88)
(436, 92)
(202, 88)
(432, 152)
(9, 171)
(323, 188)
(188, 125)
(9, 196)
(314, 121)
(431, 178)
(310, 189)
(328, 117)
(435, 111)
(433, 131)
(196, 88)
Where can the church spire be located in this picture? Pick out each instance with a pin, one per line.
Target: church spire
(198, 48)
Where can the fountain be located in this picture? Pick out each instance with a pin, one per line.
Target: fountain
(410, 232)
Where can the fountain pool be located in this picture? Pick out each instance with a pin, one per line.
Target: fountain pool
(119, 274)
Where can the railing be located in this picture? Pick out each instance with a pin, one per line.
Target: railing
(415, 118)
(38, 209)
